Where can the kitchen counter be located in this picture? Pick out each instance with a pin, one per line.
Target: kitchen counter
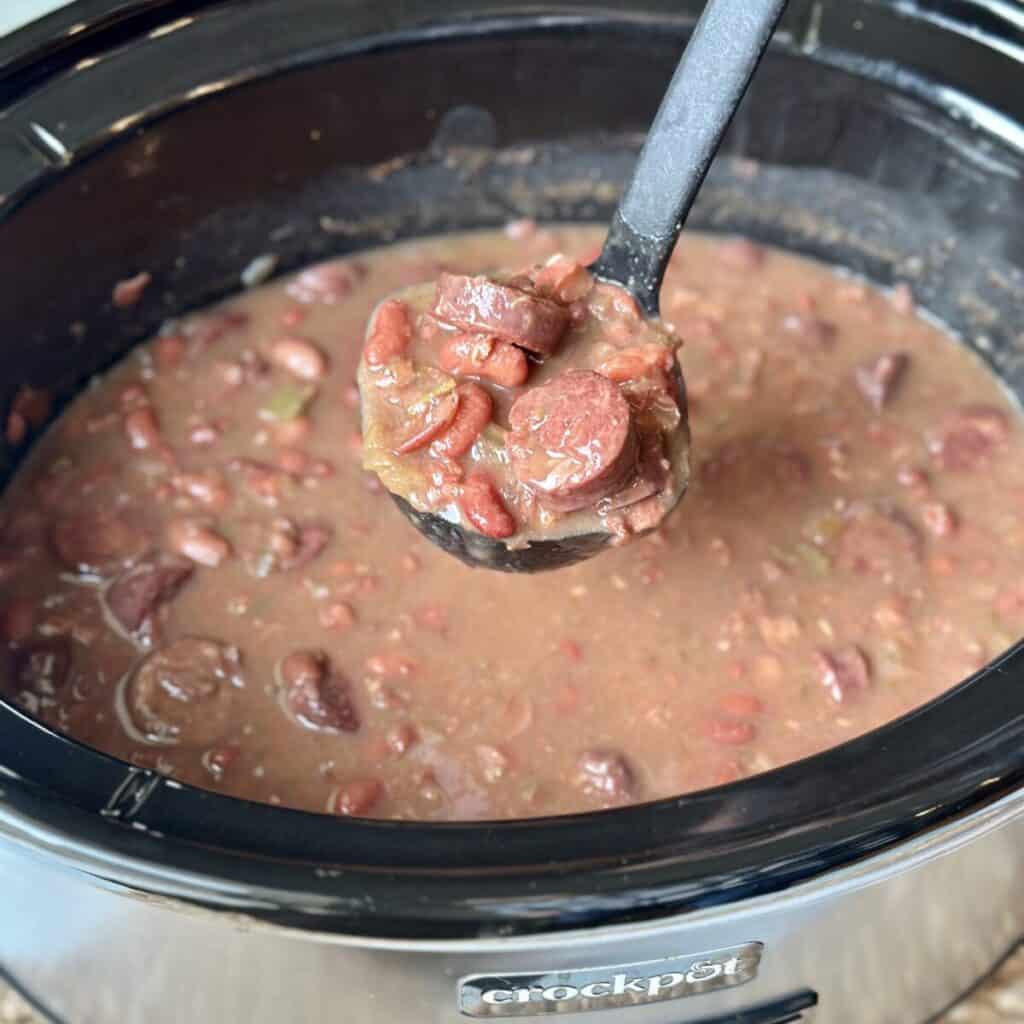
(999, 1001)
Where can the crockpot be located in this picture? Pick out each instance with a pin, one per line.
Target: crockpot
(873, 883)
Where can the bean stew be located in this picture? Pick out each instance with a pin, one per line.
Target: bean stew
(528, 406)
(198, 575)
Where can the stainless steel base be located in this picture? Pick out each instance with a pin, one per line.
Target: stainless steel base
(892, 940)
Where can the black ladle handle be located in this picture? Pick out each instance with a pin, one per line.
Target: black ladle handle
(723, 53)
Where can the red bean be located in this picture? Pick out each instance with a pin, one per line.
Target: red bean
(198, 542)
(293, 316)
(128, 292)
(203, 435)
(432, 616)
(389, 334)
(325, 282)
(142, 428)
(811, 329)
(477, 355)
(169, 351)
(17, 428)
(339, 616)
(34, 404)
(356, 798)
(563, 280)
(741, 705)
(652, 361)
(292, 461)
(299, 357)
(292, 432)
(434, 418)
(482, 505)
(207, 488)
(217, 760)
(729, 732)
(473, 414)
(401, 737)
(571, 650)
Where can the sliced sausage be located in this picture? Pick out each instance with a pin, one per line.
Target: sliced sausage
(879, 542)
(879, 378)
(133, 597)
(355, 798)
(17, 620)
(482, 305)
(42, 667)
(99, 543)
(652, 473)
(317, 695)
(573, 440)
(482, 505)
(184, 692)
(968, 437)
(844, 672)
(281, 545)
(480, 355)
(312, 539)
(605, 773)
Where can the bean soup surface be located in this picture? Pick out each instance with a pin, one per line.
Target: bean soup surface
(197, 575)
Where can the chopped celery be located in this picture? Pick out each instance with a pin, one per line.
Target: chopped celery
(288, 402)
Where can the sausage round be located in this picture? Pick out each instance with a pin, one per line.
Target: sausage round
(482, 305)
(573, 440)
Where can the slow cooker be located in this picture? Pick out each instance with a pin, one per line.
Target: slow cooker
(872, 883)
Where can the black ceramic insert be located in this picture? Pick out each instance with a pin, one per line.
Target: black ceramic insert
(188, 138)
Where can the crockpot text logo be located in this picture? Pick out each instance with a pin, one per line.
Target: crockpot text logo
(599, 988)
